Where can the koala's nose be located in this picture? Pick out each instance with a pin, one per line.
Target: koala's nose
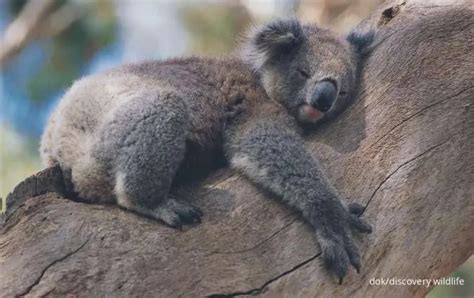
(324, 95)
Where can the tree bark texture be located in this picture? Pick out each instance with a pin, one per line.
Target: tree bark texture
(404, 149)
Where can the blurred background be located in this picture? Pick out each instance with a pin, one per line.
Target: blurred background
(47, 44)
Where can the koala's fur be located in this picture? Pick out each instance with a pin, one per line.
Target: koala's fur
(125, 135)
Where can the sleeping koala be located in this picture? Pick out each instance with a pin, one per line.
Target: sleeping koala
(129, 135)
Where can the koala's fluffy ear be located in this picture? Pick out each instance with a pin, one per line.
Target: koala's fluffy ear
(361, 41)
(271, 40)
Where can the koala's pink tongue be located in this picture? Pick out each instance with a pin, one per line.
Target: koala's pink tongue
(311, 112)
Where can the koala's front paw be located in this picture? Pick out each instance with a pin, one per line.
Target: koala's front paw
(233, 111)
(235, 107)
(356, 209)
(334, 228)
(176, 213)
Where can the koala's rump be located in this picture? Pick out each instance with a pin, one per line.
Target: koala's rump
(74, 131)
(79, 127)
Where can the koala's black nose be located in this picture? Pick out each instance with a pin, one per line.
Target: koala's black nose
(324, 95)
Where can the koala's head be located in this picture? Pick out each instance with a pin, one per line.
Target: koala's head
(309, 70)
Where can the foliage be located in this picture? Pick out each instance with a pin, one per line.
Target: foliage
(18, 159)
(69, 51)
(214, 28)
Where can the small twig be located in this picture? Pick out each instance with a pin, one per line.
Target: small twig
(36, 20)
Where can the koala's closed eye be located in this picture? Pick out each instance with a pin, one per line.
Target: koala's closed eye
(303, 73)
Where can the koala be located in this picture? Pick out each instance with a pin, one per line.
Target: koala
(129, 135)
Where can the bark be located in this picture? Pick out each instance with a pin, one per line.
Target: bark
(404, 149)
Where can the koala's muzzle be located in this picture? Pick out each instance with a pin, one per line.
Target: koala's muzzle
(324, 95)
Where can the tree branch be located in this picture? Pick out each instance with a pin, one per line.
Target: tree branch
(405, 146)
(37, 19)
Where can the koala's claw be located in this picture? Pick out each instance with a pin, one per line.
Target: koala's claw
(335, 258)
(356, 264)
(357, 223)
(353, 253)
(360, 225)
(176, 214)
(356, 209)
(335, 238)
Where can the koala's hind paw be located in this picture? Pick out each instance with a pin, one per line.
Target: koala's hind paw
(176, 214)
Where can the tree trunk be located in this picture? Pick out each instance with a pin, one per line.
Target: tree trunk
(404, 149)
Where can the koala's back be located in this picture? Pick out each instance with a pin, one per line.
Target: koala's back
(73, 130)
(92, 101)
(80, 113)
(80, 125)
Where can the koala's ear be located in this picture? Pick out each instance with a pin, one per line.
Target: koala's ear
(361, 40)
(271, 40)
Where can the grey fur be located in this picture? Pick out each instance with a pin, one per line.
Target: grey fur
(129, 134)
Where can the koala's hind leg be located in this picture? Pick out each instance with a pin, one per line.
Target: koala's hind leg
(149, 136)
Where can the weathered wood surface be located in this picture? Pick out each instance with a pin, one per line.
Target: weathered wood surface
(404, 149)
